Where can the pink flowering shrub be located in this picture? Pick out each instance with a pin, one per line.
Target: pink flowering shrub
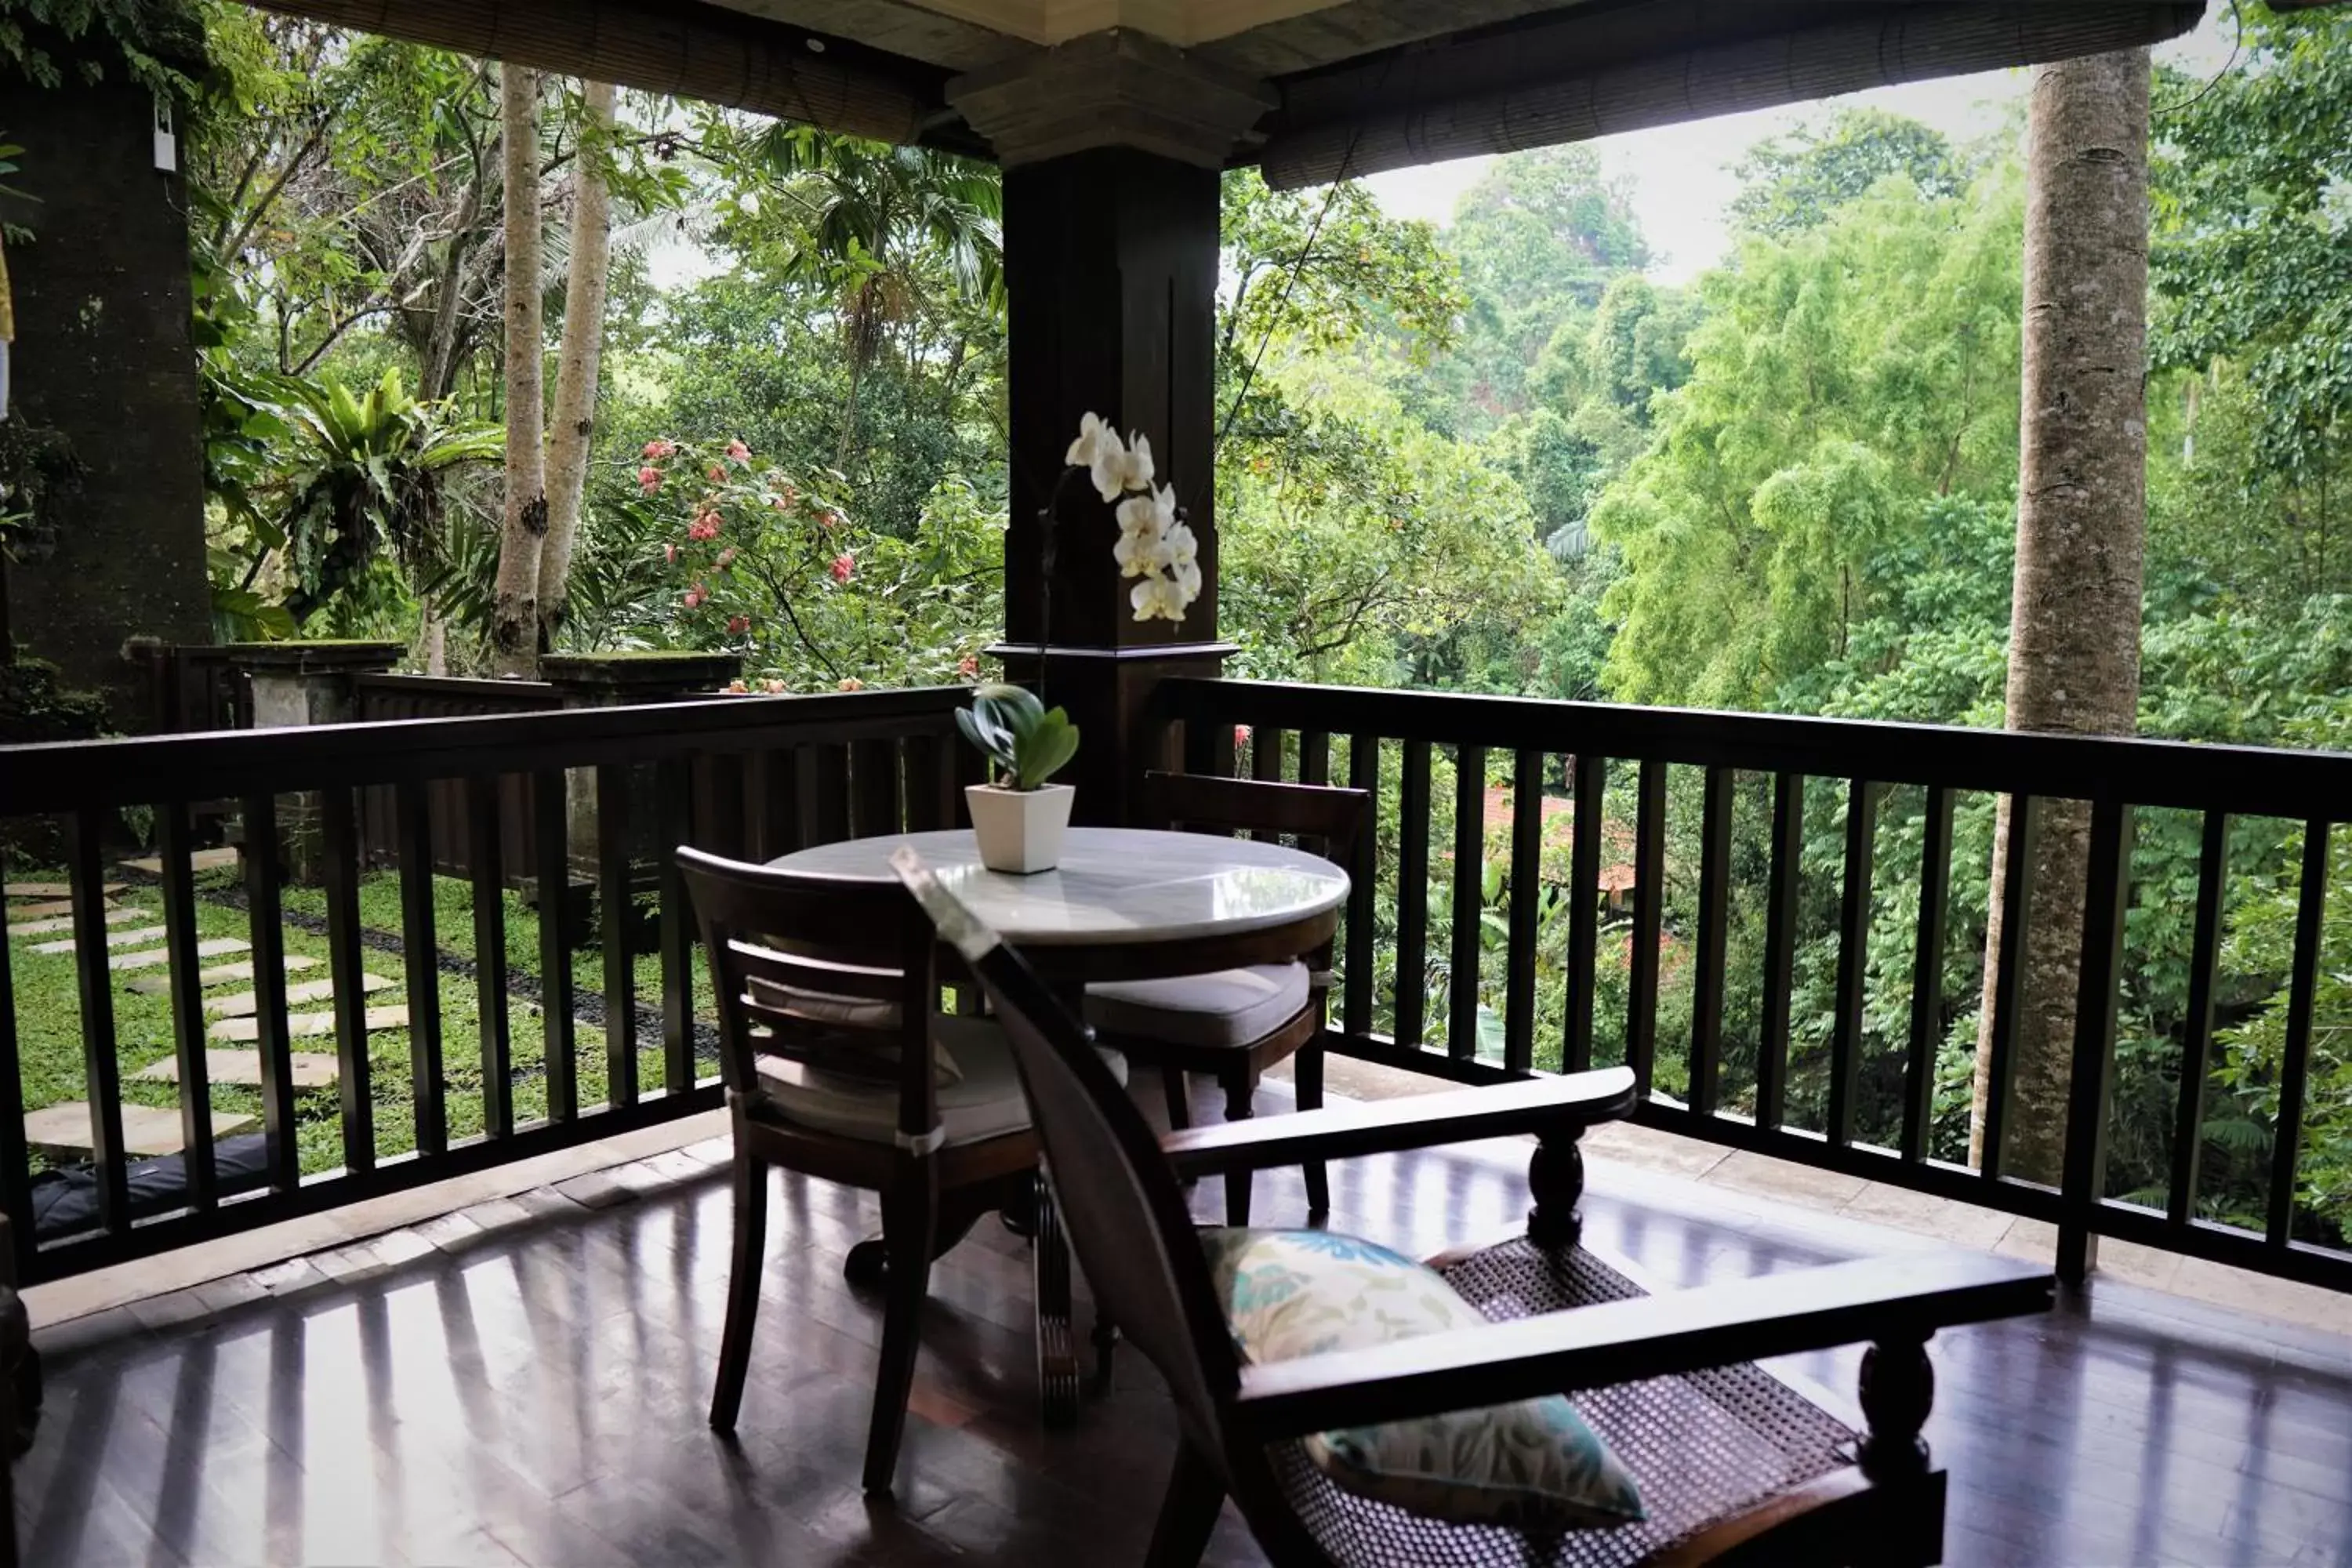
(774, 566)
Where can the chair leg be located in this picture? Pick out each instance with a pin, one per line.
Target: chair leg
(909, 1216)
(1308, 1072)
(1237, 1182)
(1188, 1515)
(1176, 1085)
(742, 1289)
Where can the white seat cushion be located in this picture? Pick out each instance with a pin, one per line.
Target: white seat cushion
(1231, 1007)
(984, 1102)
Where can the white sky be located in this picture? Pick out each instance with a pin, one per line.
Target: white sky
(1681, 174)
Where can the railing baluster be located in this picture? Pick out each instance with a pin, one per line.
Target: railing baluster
(824, 784)
(1713, 926)
(874, 788)
(1469, 902)
(2091, 1081)
(1854, 960)
(1584, 909)
(678, 920)
(616, 913)
(483, 856)
(1363, 870)
(102, 1072)
(2008, 980)
(420, 944)
(926, 796)
(2197, 1029)
(1224, 742)
(16, 1163)
(173, 848)
(719, 807)
(1314, 757)
(354, 1091)
(1527, 890)
(551, 825)
(1200, 746)
(1649, 924)
(1928, 973)
(265, 922)
(1265, 754)
(1782, 903)
(2294, 1065)
(1413, 896)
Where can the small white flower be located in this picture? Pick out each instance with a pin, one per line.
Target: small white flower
(1188, 582)
(1157, 598)
(1116, 471)
(1181, 549)
(1137, 552)
(1093, 437)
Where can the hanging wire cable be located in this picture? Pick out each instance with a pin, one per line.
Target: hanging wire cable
(2237, 16)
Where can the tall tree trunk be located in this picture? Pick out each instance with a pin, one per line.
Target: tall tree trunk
(2082, 516)
(514, 619)
(572, 421)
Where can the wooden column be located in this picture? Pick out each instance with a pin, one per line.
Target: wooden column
(1111, 273)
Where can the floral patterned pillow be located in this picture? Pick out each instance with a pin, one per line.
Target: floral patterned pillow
(1533, 1465)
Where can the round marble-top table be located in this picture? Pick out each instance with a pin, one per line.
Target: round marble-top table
(1126, 903)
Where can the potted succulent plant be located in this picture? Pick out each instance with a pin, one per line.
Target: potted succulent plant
(1019, 818)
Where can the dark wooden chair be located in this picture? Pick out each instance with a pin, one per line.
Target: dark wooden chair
(1231, 1026)
(834, 1058)
(1735, 1463)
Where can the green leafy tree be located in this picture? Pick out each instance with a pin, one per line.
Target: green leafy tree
(1794, 182)
(1842, 377)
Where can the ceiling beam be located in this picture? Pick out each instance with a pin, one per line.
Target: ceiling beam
(680, 47)
(1586, 74)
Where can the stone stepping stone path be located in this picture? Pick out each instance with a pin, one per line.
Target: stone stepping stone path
(113, 939)
(219, 974)
(62, 1131)
(202, 860)
(242, 1004)
(211, 947)
(312, 1070)
(306, 1025)
(64, 921)
(54, 889)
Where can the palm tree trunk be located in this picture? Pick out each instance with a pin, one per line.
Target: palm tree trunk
(514, 619)
(2082, 518)
(574, 417)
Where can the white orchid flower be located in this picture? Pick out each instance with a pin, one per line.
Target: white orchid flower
(1118, 470)
(1181, 548)
(1093, 434)
(1157, 598)
(1188, 582)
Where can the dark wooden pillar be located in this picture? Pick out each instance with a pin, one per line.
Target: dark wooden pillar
(1111, 272)
(105, 357)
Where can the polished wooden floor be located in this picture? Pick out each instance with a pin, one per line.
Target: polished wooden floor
(533, 1393)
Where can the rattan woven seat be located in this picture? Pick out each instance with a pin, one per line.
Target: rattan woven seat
(1705, 1447)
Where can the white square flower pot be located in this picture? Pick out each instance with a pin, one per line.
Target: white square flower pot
(1020, 830)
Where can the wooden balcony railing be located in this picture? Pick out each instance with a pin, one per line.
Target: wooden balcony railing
(755, 776)
(1473, 958)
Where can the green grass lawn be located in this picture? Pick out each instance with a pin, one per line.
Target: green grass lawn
(48, 1016)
